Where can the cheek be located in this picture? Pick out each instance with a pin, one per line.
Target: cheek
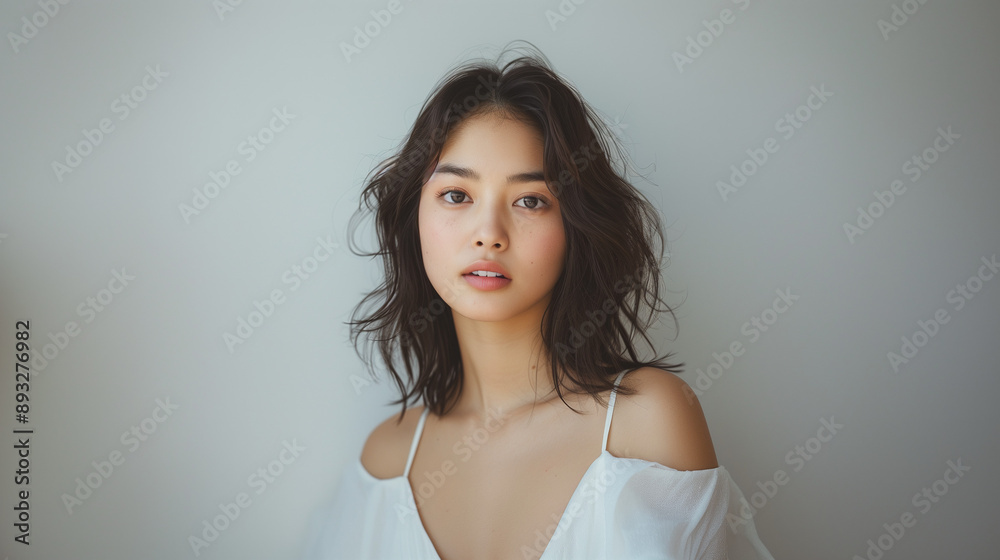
(550, 243)
(432, 237)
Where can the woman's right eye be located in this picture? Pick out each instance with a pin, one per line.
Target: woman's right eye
(445, 195)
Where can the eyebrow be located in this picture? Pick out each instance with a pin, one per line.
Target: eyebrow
(467, 173)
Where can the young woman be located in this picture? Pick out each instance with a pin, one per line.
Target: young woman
(517, 259)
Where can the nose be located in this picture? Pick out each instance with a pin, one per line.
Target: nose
(496, 244)
(490, 228)
(491, 236)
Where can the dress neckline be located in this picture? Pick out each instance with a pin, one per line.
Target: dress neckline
(605, 454)
(561, 526)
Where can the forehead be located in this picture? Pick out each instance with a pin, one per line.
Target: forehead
(493, 141)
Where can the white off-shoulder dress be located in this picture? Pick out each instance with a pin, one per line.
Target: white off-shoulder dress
(622, 509)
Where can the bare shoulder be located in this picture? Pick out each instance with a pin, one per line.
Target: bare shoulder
(388, 445)
(663, 422)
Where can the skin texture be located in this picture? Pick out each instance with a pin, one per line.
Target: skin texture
(500, 493)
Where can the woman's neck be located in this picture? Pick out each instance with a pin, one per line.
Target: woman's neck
(505, 367)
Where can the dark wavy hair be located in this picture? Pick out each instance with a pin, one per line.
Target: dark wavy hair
(610, 267)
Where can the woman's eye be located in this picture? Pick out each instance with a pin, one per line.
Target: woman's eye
(536, 202)
(446, 193)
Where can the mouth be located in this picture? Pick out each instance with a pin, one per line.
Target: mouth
(486, 269)
(485, 280)
(485, 274)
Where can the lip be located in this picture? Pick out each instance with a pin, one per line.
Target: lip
(483, 282)
(488, 266)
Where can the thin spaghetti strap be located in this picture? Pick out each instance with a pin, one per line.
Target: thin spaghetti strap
(416, 440)
(611, 409)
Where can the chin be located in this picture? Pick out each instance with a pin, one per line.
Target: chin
(487, 313)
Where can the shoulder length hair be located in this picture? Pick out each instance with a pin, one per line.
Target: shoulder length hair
(610, 267)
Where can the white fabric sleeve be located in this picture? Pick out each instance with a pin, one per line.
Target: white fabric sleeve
(688, 515)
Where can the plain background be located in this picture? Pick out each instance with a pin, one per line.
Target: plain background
(295, 379)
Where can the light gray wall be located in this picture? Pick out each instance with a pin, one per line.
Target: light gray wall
(64, 235)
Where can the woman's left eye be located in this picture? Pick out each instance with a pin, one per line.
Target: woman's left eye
(537, 201)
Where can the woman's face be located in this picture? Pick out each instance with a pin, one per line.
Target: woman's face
(487, 201)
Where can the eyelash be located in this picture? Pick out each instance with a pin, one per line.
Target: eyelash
(444, 194)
